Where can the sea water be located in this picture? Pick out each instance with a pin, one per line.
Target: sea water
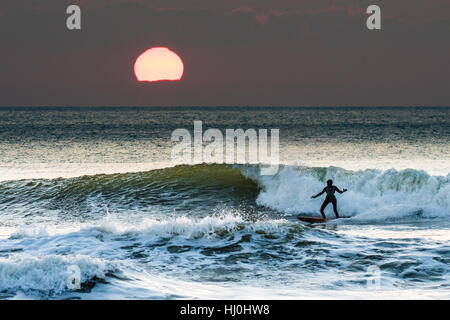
(95, 188)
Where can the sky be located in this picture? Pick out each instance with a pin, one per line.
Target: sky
(235, 53)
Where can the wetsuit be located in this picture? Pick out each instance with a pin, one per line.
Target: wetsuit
(330, 190)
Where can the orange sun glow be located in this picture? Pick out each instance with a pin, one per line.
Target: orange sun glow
(157, 64)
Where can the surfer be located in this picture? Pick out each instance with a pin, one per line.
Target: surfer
(329, 189)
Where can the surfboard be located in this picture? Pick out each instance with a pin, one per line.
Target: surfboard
(312, 219)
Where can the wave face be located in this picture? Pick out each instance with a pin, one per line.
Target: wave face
(183, 188)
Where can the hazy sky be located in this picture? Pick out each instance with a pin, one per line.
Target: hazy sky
(235, 52)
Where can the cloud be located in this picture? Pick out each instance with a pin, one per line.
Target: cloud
(262, 16)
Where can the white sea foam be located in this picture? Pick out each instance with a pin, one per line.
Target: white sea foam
(190, 228)
(372, 194)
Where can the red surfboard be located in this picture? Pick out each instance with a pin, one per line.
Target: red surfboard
(312, 220)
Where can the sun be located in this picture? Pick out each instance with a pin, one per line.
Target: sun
(158, 64)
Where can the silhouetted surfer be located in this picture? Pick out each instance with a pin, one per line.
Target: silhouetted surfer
(329, 189)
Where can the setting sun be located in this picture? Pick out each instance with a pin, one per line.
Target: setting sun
(157, 64)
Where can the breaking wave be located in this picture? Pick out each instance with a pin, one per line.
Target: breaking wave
(372, 194)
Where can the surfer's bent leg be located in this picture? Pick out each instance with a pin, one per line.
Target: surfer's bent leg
(324, 204)
(334, 202)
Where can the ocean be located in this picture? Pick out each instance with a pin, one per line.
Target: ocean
(89, 197)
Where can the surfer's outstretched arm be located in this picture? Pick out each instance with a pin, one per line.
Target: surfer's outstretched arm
(320, 193)
(340, 191)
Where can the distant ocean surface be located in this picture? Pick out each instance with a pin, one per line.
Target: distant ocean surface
(95, 188)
